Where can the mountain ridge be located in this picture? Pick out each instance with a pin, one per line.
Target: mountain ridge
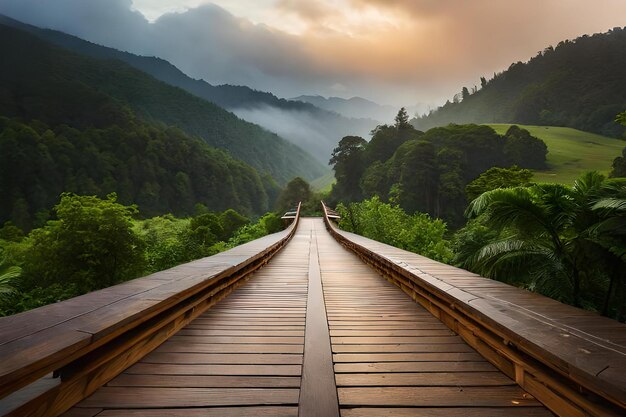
(258, 107)
(578, 84)
(156, 100)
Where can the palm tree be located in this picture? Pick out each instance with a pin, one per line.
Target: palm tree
(7, 275)
(556, 236)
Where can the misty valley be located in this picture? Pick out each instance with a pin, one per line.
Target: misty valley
(354, 208)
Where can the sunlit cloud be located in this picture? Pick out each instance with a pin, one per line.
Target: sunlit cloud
(393, 51)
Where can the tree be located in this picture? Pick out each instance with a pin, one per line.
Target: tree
(348, 163)
(619, 166)
(402, 119)
(556, 238)
(465, 93)
(619, 163)
(8, 275)
(297, 190)
(206, 229)
(374, 180)
(231, 221)
(92, 244)
(498, 178)
(415, 167)
(386, 139)
(390, 224)
(523, 149)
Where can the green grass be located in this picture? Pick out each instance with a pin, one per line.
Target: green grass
(571, 151)
(323, 183)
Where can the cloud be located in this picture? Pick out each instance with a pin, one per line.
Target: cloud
(394, 51)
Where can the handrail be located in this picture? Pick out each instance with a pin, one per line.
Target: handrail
(88, 340)
(572, 360)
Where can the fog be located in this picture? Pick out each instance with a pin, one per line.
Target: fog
(314, 134)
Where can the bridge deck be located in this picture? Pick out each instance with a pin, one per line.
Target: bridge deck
(244, 356)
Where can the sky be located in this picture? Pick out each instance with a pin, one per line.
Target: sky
(399, 52)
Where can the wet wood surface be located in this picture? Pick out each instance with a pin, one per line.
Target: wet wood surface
(386, 355)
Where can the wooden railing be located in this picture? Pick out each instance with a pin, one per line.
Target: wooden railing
(54, 356)
(573, 361)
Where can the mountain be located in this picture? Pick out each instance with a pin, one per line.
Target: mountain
(314, 129)
(359, 107)
(578, 84)
(352, 107)
(149, 98)
(68, 123)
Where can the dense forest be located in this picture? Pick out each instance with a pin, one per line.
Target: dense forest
(233, 97)
(50, 84)
(576, 83)
(160, 169)
(427, 172)
(92, 243)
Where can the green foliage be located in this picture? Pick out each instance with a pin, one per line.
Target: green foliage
(619, 163)
(523, 149)
(165, 243)
(390, 224)
(402, 119)
(94, 243)
(561, 86)
(11, 232)
(8, 274)
(427, 172)
(161, 170)
(498, 178)
(91, 245)
(58, 87)
(348, 163)
(231, 221)
(298, 190)
(38, 297)
(566, 242)
(621, 118)
(272, 223)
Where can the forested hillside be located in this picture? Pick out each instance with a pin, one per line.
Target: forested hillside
(162, 170)
(56, 86)
(428, 172)
(577, 84)
(312, 128)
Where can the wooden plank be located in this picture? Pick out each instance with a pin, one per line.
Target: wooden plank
(140, 397)
(447, 412)
(483, 366)
(203, 381)
(436, 397)
(82, 412)
(206, 412)
(181, 347)
(405, 348)
(318, 395)
(467, 379)
(408, 357)
(223, 358)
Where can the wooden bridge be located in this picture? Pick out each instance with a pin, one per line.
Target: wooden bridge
(312, 321)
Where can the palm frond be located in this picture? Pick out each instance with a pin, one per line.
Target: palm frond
(610, 204)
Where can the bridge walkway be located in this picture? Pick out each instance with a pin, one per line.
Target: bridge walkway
(245, 355)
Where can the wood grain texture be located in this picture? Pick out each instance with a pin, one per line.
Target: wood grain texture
(390, 352)
(244, 352)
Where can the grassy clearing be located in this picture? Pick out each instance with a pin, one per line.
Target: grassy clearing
(571, 151)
